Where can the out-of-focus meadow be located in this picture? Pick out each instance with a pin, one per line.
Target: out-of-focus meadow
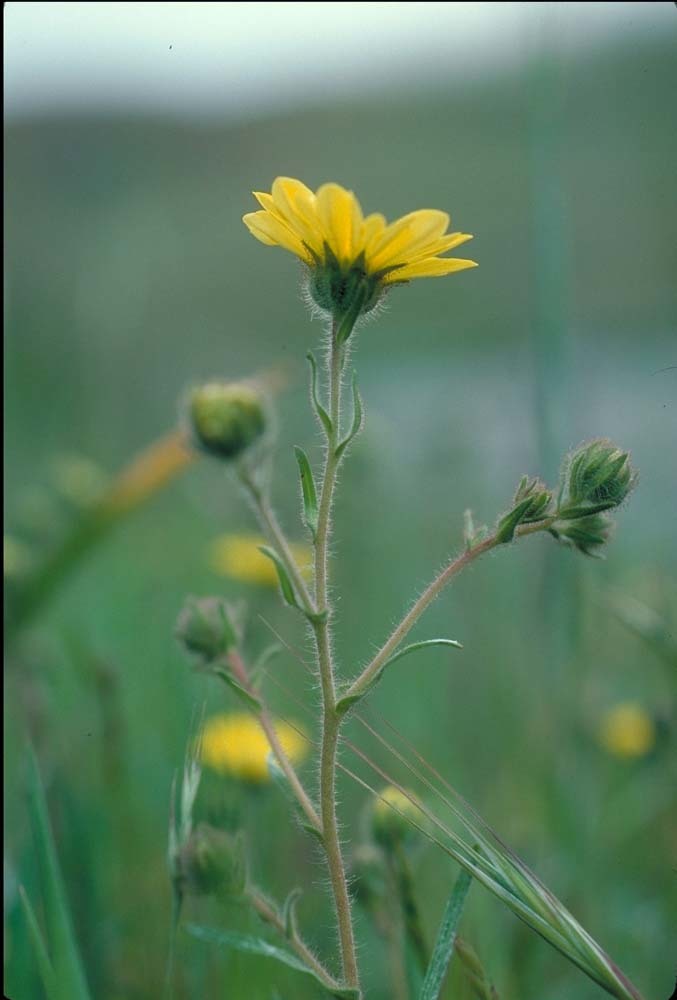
(129, 275)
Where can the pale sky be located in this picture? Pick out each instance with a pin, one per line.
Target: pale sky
(247, 57)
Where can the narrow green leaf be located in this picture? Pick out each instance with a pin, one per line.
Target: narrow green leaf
(262, 661)
(446, 936)
(310, 512)
(39, 947)
(289, 912)
(324, 417)
(314, 832)
(250, 700)
(424, 644)
(69, 977)
(346, 703)
(258, 946)
(507, 525)
(358, 419)
(343, 705)
(584, 510)
(282, 575)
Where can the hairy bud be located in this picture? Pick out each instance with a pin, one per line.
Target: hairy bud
(226, 418)
(205, 628)
(598, 477)
(212, 862)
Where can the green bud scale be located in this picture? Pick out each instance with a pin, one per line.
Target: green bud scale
(345, 293)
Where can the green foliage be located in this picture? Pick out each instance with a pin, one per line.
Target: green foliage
(56, 951)
(258, 946)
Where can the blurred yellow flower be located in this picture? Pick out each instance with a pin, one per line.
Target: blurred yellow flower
(239, 557)
(627, 730)
(235, 744)
(328, 226)
(396, 816)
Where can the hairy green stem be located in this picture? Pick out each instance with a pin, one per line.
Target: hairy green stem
(432, 591)
(268, 912)
(271, 526)
(330, 717)
(240, 671)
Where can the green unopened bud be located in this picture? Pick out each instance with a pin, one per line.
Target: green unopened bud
(587, 534)
(205, 627)
(393, 817)
(531, 503)
(212, 862)
(598, 476)
(226, 417)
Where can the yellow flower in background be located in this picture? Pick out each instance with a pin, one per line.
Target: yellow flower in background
(627, 730)
(235, 744)
(239, 557)
(330, 220)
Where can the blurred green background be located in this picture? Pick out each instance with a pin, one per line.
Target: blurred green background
(129, 275)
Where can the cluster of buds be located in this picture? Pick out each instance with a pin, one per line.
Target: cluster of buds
(530, 504)
(227, 418)
(596, 478)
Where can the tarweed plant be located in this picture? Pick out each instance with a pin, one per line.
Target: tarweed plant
(350, 263)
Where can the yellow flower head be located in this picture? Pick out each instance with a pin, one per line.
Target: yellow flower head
(239, 557)
(351, 256)
(236, 745)
(627, 730)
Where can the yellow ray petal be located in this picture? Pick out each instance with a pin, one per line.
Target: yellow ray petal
(272, 231)
(341, 218)
(372, 231)
(429, 267)
(407, 236)
(438, 247)
(296, 205)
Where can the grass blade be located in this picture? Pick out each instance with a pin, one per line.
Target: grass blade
(39, 947)
(446, 937)
(69, 981)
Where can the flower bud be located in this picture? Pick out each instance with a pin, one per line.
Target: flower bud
(598, 474)
(212, 862)
(204, 627)
(531, 503)
(226, 417)
(587, 534)
(393, 817)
